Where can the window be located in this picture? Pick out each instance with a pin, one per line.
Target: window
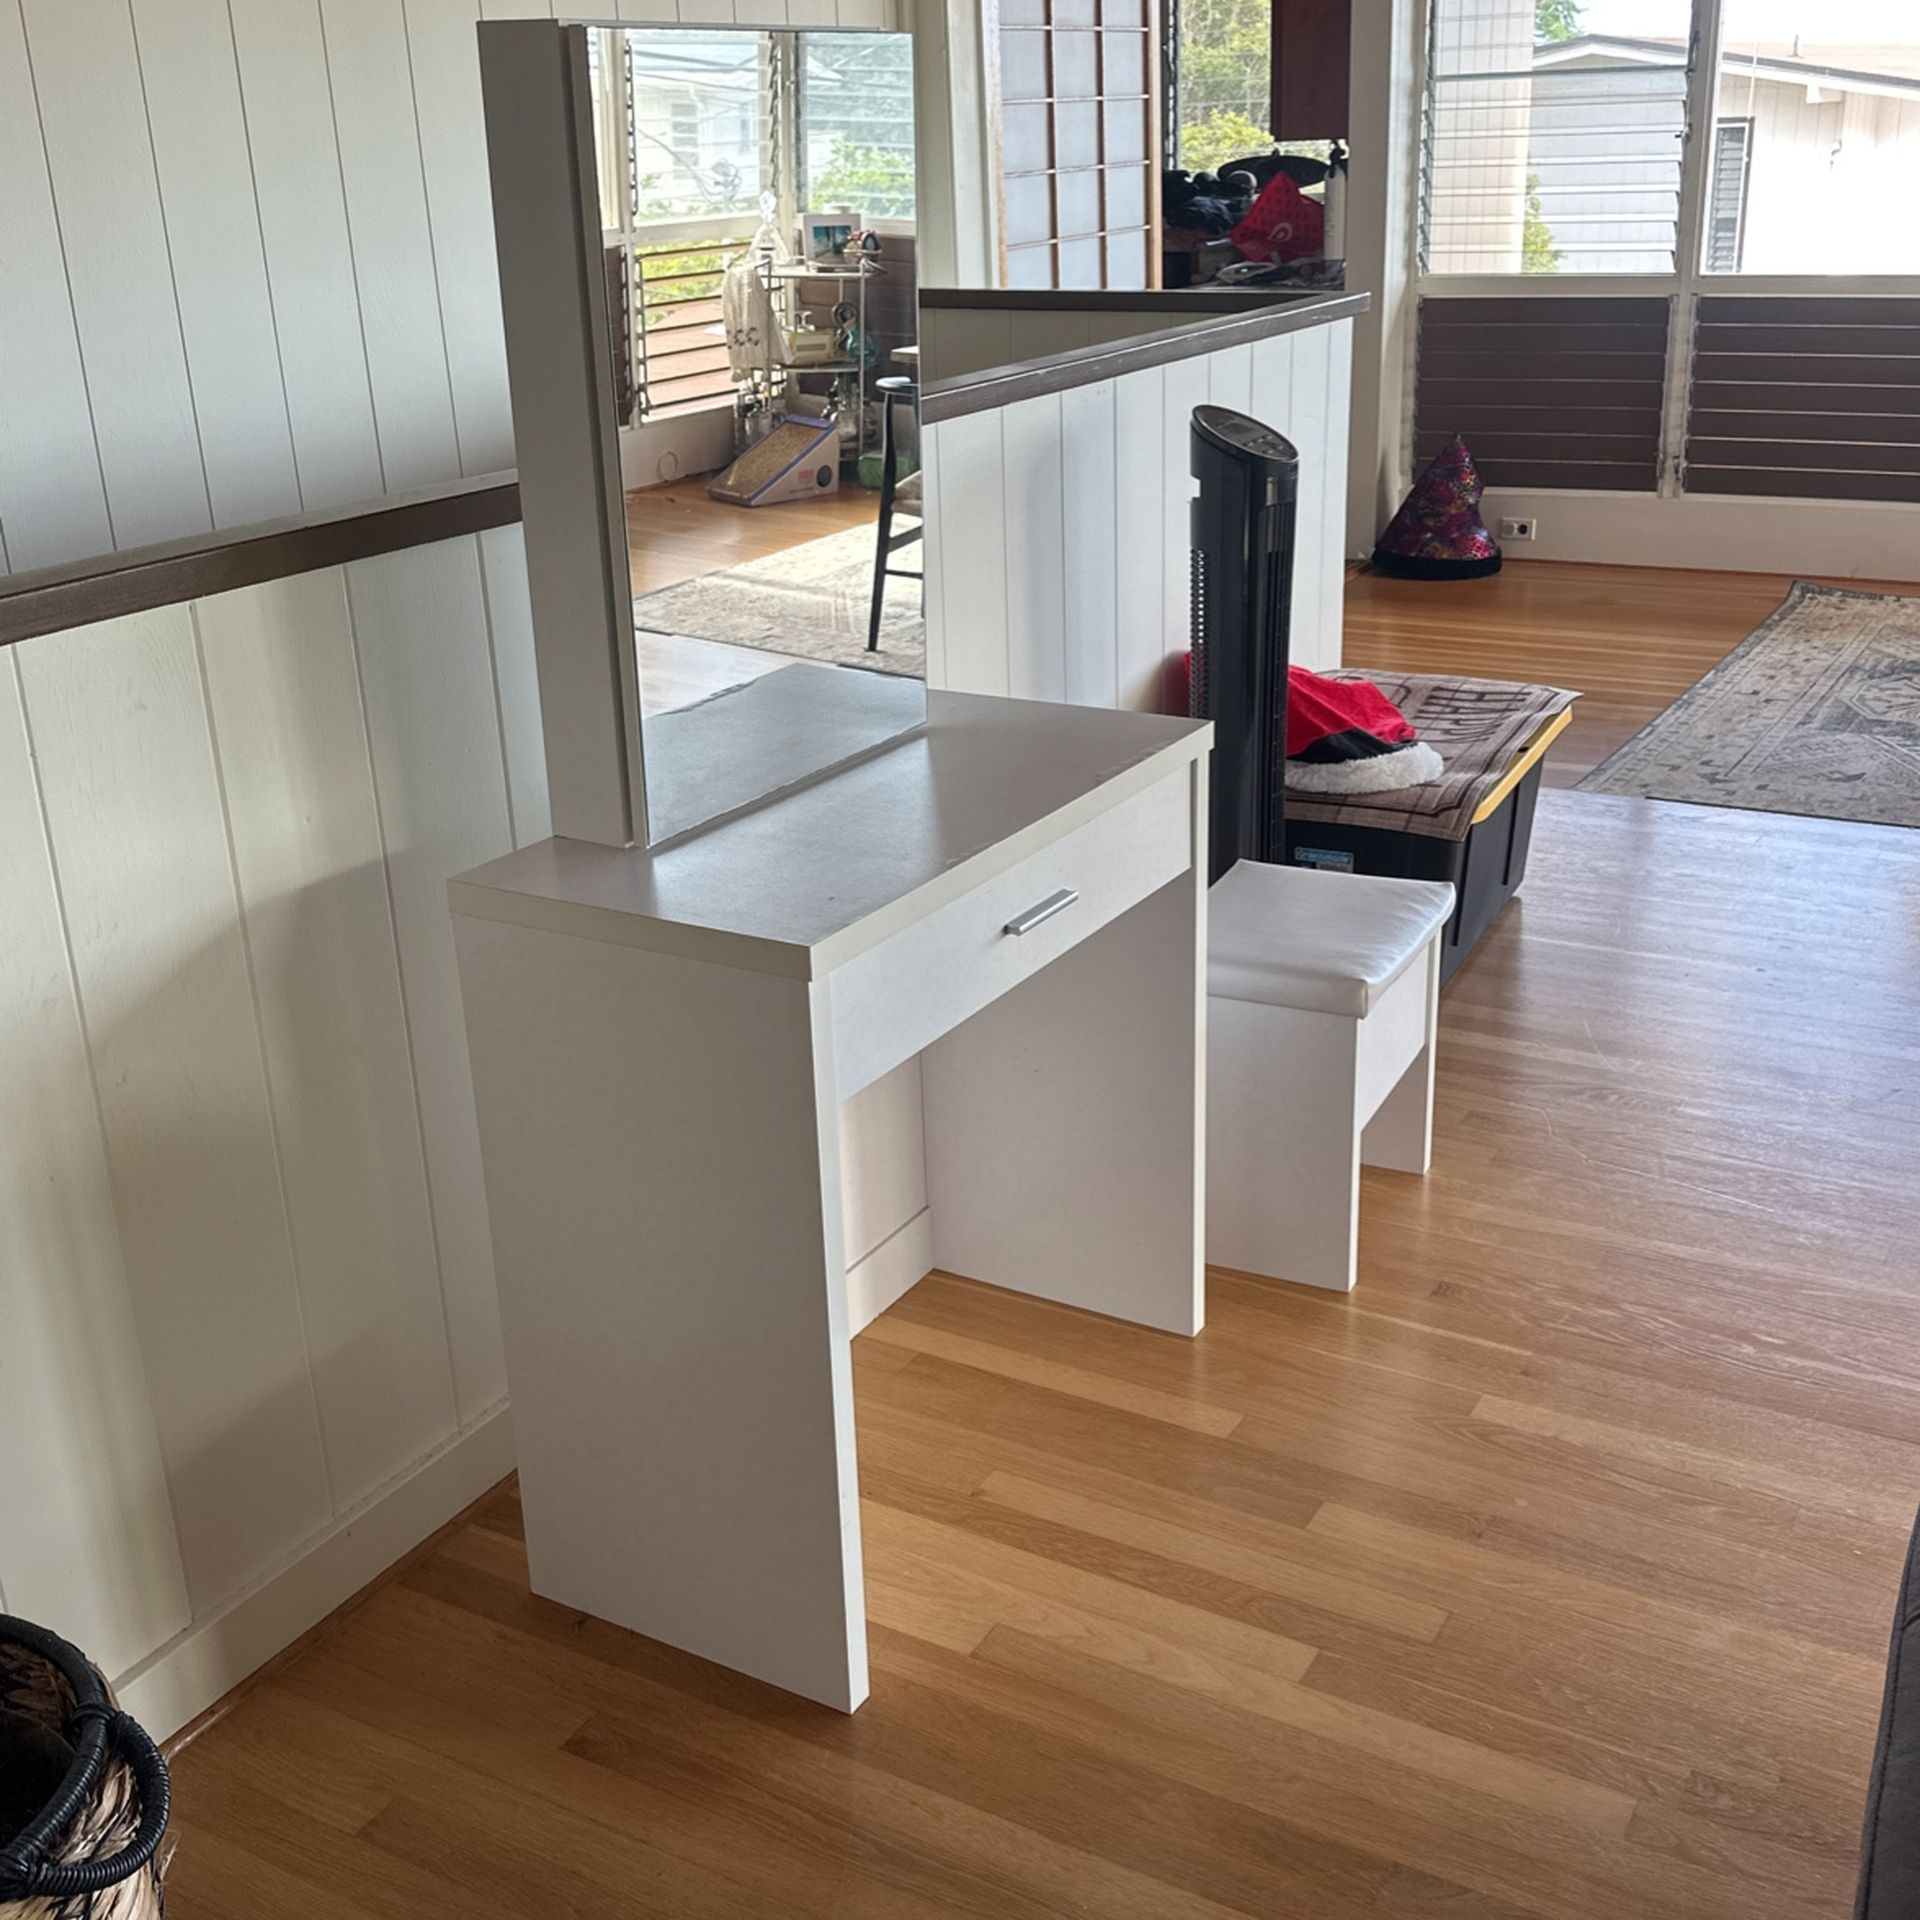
(1832, 94)
(1223, 78)
(856, 122)
(699, 124)
(1727, 194)
(1556, 133)
(1554, 138)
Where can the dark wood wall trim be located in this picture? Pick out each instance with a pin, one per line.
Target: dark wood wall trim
(1561, 391)
(111, 585)
(1107, 360)
(1805, 398)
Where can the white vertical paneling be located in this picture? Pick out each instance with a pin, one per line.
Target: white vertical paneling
(292, 745)
(516, 9)
(296, 166)
(52, 503)
(219, 261)
(135, 817)
(719, 13)
(649, 12)
(503, 561)
(1116, 557)
(86, 1532)
(1089, 476)
(427, 681)
(1230, 378)
(1032, 509)
(1334, 543)
(1186, 388)
(873, 16)
(453, 152)
(94, 121)
(1140, 434)
(933, 572)
(973, 554)
(1272, 397)
(794, 13)
(1306, 427)
(393, 251)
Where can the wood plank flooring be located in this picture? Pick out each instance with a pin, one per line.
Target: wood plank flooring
(1630, 639)
(1546, 1575)
(675, 532)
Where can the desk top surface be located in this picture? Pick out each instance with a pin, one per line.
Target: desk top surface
(799, 884)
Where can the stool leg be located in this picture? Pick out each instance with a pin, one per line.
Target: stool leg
(1400, 1134)
(889, 468)
(1283, 1143)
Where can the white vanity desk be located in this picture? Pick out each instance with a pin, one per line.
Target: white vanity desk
(661, 1041)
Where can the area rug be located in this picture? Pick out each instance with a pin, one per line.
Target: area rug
(1817, 712)
(810, 600)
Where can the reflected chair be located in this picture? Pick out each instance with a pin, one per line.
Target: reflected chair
(896, 496)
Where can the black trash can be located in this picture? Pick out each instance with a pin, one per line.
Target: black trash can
(83, 1790)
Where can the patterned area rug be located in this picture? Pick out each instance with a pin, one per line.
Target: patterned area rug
(1817, 711)
(811, 600)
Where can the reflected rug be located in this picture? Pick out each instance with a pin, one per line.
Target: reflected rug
(1817, 711)
(810, 600)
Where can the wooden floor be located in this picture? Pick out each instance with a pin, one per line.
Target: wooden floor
(675, 532)
(1629, 639)
(1547, 1575)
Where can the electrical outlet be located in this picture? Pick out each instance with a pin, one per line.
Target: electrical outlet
(1519, 529)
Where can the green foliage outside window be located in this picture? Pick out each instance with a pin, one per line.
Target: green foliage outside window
(1538, 254)
(1556, 19)
(1226, 51)
(873, 180)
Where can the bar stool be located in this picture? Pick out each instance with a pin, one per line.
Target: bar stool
(896, 495)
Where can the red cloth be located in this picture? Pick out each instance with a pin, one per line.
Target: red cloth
(1317, 706)
(1283, 224)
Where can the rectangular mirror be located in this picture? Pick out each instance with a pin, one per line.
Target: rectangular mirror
(748, 199)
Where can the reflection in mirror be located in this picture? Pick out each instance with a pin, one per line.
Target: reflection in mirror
(757, 218)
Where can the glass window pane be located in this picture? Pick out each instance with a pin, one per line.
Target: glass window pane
(1828, 97)
(698, 135)
(856, 122)
(1224, 66)
(1556, 135)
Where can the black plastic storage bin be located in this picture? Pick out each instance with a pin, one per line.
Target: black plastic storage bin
(1486, 866)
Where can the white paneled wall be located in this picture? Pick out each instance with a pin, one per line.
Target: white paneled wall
(1058, 567)
(245, 1280)
(246, 256)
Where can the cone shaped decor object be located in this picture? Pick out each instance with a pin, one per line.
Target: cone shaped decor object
(1438, 533)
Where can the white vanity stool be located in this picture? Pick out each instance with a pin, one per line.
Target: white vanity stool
(1322, 997)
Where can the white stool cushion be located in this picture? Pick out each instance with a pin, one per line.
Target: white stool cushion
(1322, 942)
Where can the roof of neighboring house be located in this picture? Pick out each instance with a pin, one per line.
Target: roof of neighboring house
(1793, 65)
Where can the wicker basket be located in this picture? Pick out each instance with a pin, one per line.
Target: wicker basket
(83, 1791)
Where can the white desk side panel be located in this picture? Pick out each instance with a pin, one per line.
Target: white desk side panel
(1065, 1123)
(662, 1166)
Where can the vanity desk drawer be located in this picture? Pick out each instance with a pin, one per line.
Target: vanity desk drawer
(897, 998)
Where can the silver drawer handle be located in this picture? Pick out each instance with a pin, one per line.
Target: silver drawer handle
(1052, 904)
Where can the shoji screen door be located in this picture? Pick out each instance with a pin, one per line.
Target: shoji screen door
(1079, 135)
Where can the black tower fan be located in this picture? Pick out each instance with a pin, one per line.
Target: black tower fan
(1243, 520)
